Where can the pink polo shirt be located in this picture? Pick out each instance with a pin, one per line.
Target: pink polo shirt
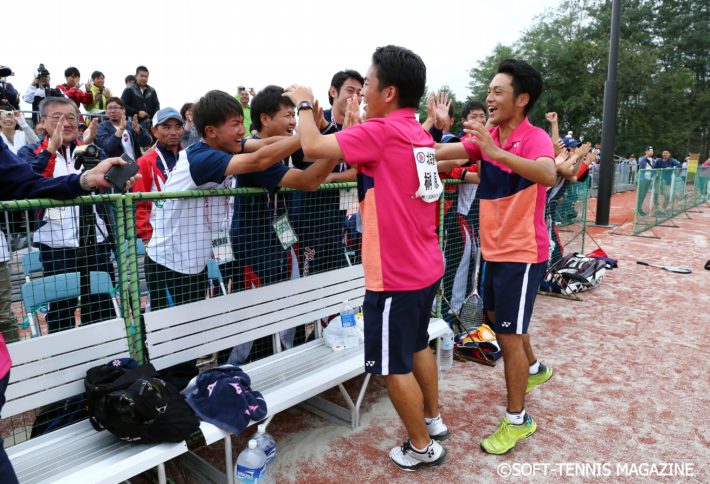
(512, 211)
(400, 246)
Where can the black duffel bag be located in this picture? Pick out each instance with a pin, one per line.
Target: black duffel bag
(135, 405)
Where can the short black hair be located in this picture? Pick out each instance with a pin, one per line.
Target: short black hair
(142, 69)
(339, 79)
(185, 108)
(267, 101)
(71, 71)
(403, 69)
(472, 106)
(97, 74)
(526, 79)
(214, 109)
(116, 100)
(129, 78)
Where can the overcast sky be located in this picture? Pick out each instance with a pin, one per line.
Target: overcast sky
(192, 46)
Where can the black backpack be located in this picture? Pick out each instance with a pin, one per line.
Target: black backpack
(136, 405)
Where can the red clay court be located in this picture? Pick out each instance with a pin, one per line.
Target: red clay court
(632, 373)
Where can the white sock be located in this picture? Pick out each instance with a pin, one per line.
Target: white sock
(428, 420)
(421, 451)
(534, 368)
(516, 418)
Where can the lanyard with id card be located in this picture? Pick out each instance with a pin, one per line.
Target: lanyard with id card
(282, 227)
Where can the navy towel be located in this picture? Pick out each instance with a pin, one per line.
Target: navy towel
(222, 396)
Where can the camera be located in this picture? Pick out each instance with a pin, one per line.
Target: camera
(41, 71)
(86, 155)
(6, 71)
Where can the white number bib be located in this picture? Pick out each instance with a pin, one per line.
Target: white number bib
(430, 186)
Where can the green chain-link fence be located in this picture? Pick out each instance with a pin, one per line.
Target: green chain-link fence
(664, 193)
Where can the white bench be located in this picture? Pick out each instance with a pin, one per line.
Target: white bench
(287, 378)
(51, 368)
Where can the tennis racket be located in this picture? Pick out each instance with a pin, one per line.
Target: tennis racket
(471, 312)
(676, 269)
(483, 358)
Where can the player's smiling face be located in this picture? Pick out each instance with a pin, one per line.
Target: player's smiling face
(500, 98)
(228, 136)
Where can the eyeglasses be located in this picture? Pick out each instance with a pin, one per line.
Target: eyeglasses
(115, 108)
(70, 118)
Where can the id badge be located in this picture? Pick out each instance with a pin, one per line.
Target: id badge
(284, 231)
(222, 250)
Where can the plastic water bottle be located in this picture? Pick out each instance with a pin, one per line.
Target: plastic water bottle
(347, 320)
(266, 443)
(446, 354)
(251, 465)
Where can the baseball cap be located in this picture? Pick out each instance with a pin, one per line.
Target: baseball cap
(648, 148)
(570, 142)
(166, 113)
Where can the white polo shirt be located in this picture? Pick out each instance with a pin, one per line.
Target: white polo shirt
(182, 228)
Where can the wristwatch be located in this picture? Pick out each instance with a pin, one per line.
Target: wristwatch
(304, 105)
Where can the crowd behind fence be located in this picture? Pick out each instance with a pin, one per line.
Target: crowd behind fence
(663, 193)
(143, 259)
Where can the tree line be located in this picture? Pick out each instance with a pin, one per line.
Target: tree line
(663, 74)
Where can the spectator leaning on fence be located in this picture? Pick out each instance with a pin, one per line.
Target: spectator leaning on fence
(319, 217)
(21, 182)
(181, 244)
(58, 235)
(157, 164)
(401, 256)
(116, 136)
(516, 166)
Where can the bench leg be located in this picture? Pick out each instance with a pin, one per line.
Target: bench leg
(162, 477)
(337, 413)
(228, 459)
(359, 399)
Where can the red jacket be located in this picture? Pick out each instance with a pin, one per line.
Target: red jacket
(152, 180)
(77, 95)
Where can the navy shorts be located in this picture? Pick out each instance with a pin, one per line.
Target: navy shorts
(509, 289)
(396, 324)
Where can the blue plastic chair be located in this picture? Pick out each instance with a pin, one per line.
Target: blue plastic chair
(41, 291)
(31, 263)
(214, 274)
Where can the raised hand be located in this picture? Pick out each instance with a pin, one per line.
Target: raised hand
(319, 117)
(298, 94)
(57, 137)
(482, 138)
(551, 117)
(352, 112)
(442, 103)
(90, 132)
(558, 145)
(134, 124)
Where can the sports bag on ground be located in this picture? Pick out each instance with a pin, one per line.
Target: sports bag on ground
(135, 405)
(575, 273)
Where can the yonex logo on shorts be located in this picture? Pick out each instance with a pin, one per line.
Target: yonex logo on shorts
(369, 363)
(506, 324)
